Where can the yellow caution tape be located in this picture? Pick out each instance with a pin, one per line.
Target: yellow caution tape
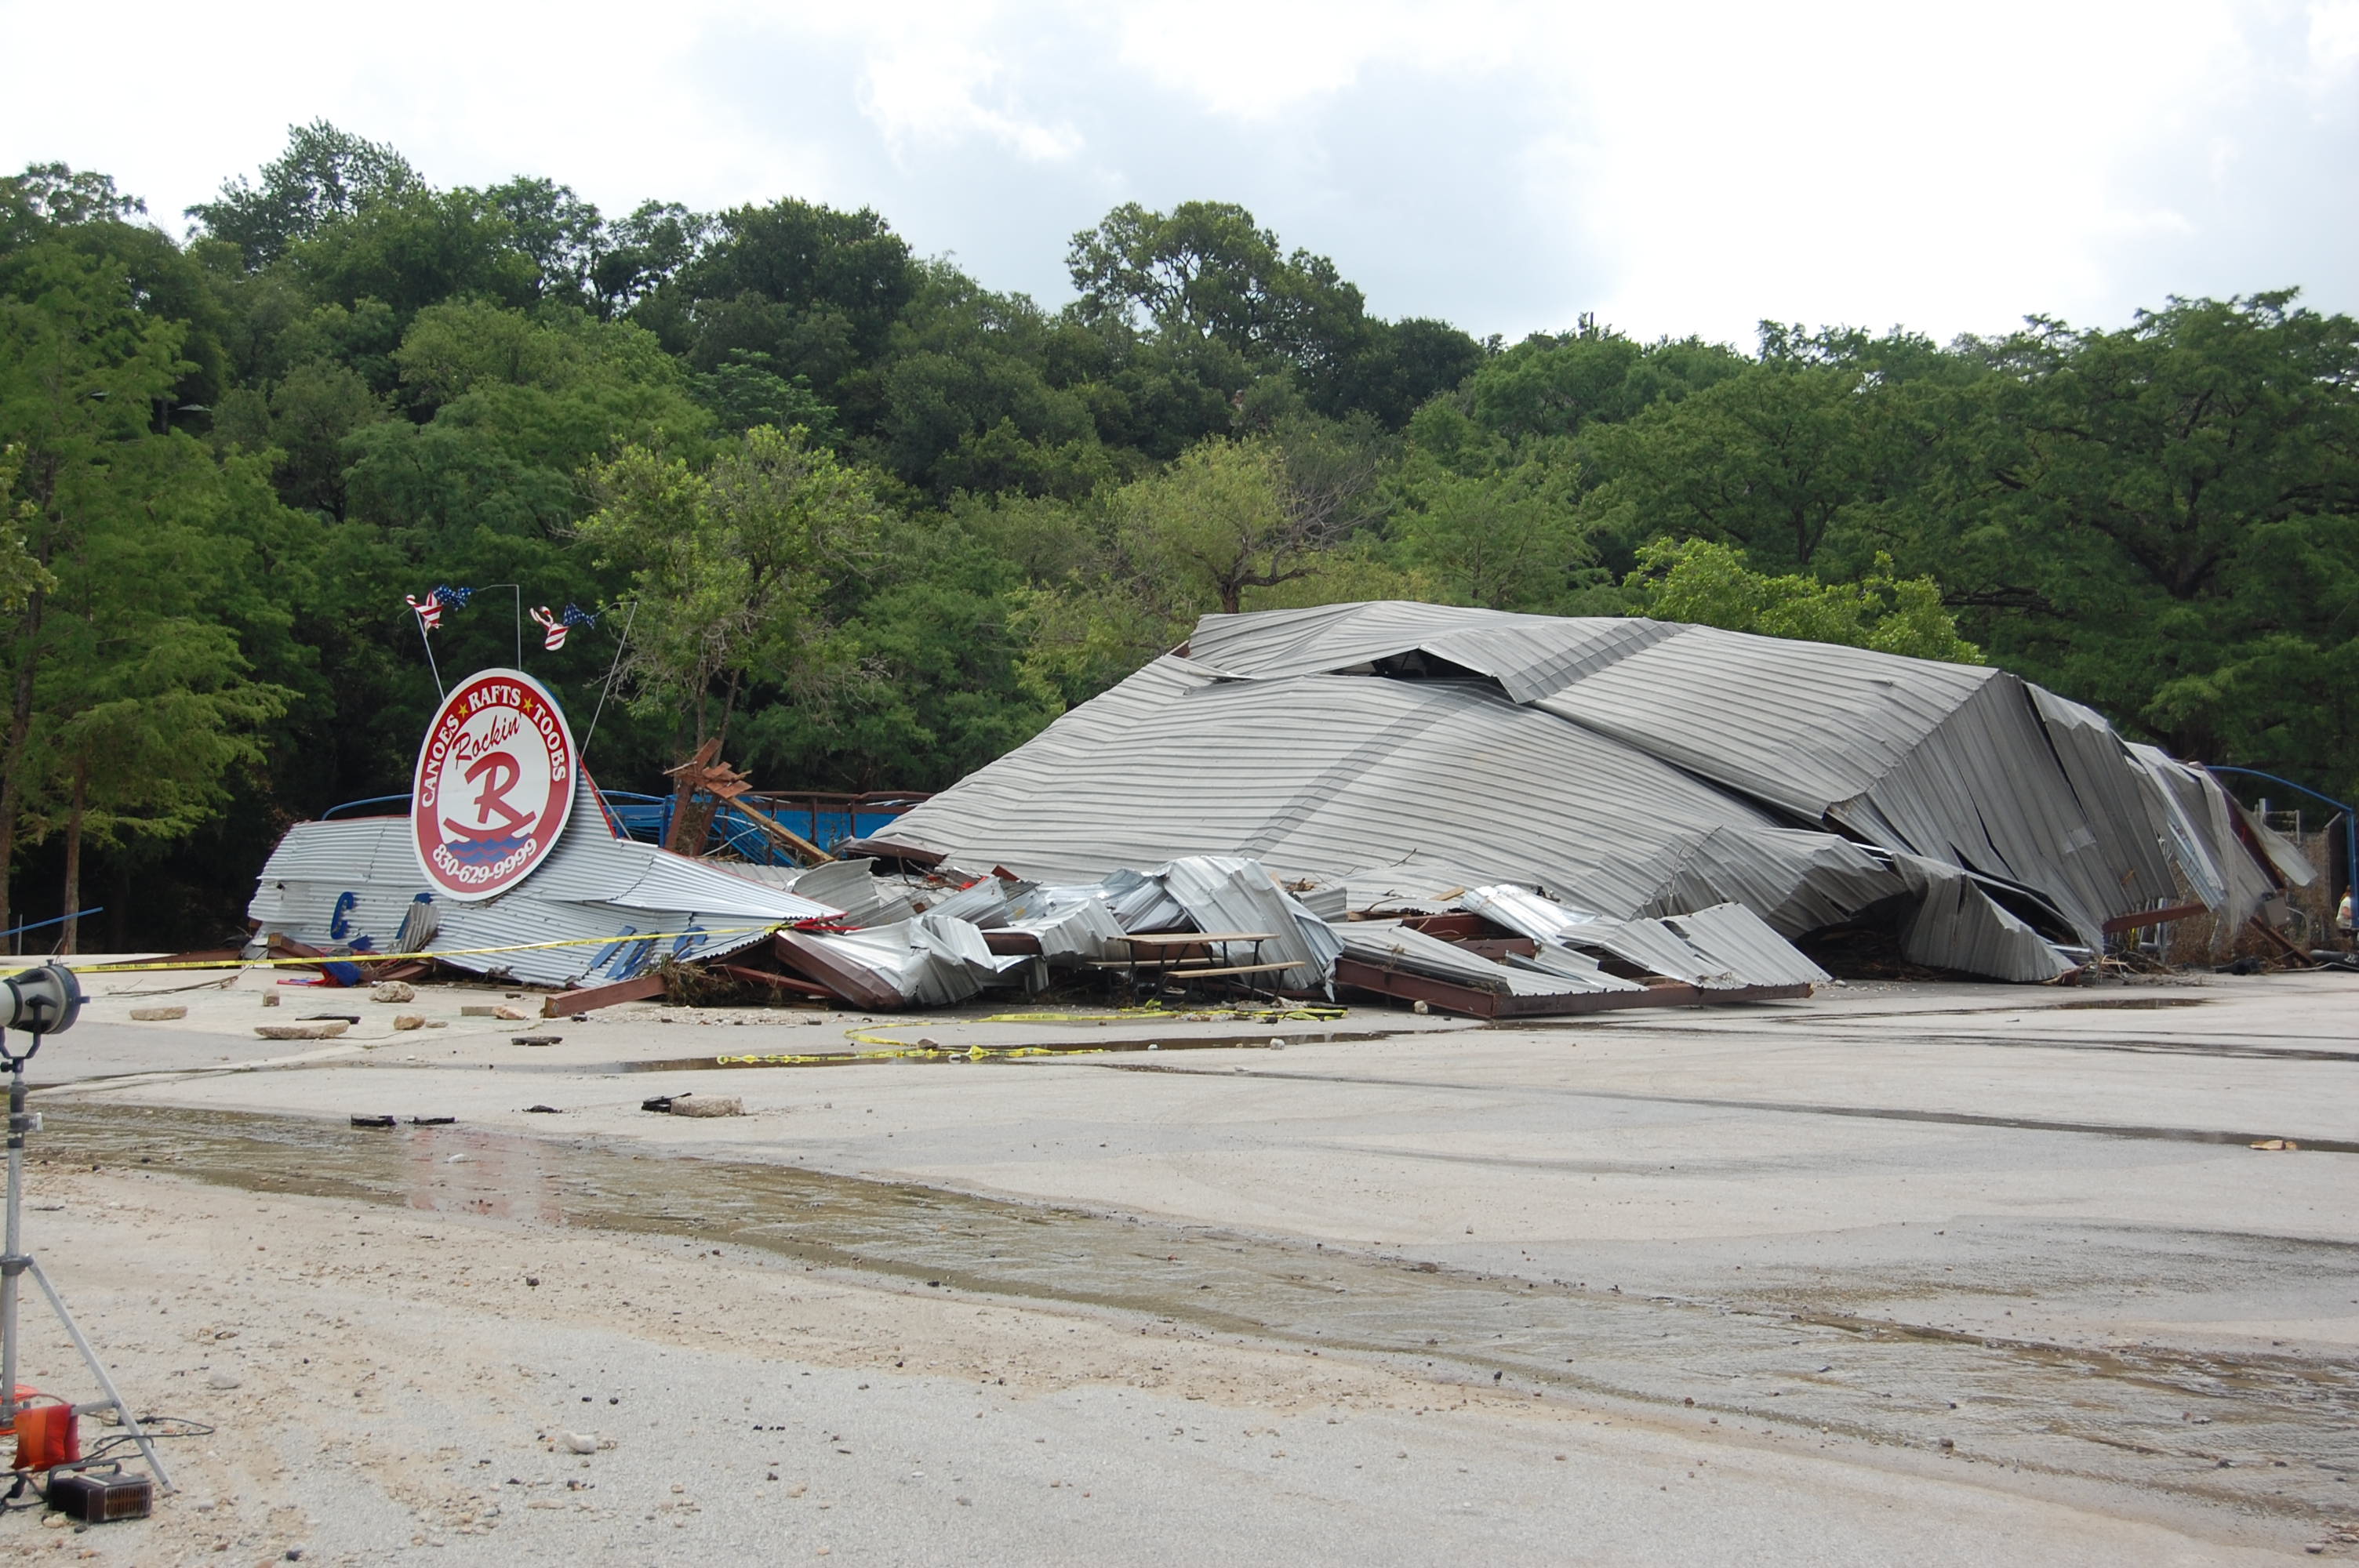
(403, 957)
(905, 1054)
(1307, 1013)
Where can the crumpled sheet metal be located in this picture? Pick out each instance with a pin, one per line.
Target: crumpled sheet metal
(1229, 892)
(930, 960)
(1724, 947)
(329, 883)
(1635, 768)
(1391, 946)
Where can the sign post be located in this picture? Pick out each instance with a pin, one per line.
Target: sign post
(493, 786)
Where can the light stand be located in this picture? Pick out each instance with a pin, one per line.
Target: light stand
(39, 1002)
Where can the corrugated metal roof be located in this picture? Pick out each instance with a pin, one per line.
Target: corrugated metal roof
(1631, 767)
(1394, 946)
(336, 883)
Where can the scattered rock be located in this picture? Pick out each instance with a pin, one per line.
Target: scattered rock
(535, 1039)
(158, 1014)
(1419, 1009)
(437, 1023)
(409, 1021)
(542, 1110)
(393, 991)
(578, 1443)
(478, 1010)
(221, 1379)
(707, 1105)
(432, 1120)
(511, 1014)
(661, 1103)
(270, 998)
(328, 1031)
(372, 1121)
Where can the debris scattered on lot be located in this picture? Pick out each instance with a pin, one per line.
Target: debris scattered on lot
(375, 1122)
(2277, 1143)
(158, 1014)
(535, 1039)
(301, 1031)
(1454, 810)
(408, 1021)
(707, 1105)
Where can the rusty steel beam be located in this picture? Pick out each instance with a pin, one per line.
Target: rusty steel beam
(641, 987)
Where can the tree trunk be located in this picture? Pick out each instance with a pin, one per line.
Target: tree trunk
(12, 761)
(72, 943)
(729, 709)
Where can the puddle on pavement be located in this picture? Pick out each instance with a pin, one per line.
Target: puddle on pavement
(2120, 1413)
(913, 1051)
(2128, 1002)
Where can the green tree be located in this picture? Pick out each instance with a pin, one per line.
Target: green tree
(732, 568)
(1708, 584)
(1509, 537)
(2164, 519)
(325, 176)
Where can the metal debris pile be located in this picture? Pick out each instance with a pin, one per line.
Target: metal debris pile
(1489, 814)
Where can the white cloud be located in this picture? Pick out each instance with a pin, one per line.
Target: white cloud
(1675, 167)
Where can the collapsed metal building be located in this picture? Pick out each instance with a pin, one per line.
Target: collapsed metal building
(1502, 815)
(1393, 756)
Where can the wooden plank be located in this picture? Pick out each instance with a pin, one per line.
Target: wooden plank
(2144, 917)
(565, 1004)
(1205, 974)
(1497, 948)
(1455, 927)
(1197, 938)
(777, 834)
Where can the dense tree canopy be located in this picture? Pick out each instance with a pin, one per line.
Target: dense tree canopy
(877, 523)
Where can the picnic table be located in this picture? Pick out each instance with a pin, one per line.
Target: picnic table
(1160, 955)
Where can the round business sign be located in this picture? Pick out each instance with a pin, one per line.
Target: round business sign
(494, 784)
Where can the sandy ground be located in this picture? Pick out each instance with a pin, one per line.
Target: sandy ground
(1983, 1165)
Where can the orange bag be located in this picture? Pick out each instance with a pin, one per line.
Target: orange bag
(47, 1435)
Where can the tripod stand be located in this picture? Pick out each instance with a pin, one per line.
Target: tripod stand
(16, 1263)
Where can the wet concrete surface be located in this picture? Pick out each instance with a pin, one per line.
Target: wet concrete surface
(2025, 1221)
(2260, 1431)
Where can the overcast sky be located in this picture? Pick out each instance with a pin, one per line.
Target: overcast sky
(1672, 168)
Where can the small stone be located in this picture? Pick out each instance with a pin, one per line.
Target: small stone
(512, 1014)
(476, 1009)
(707, 1105)
(406, 1021)
(270, 998)
(158, 1014)
(535, 1039)
(221, 1379)
(437, 1023)
(393, 991)
(1419, 1009)
(578, 1443)
(1948, 1444)
(328, 1031)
